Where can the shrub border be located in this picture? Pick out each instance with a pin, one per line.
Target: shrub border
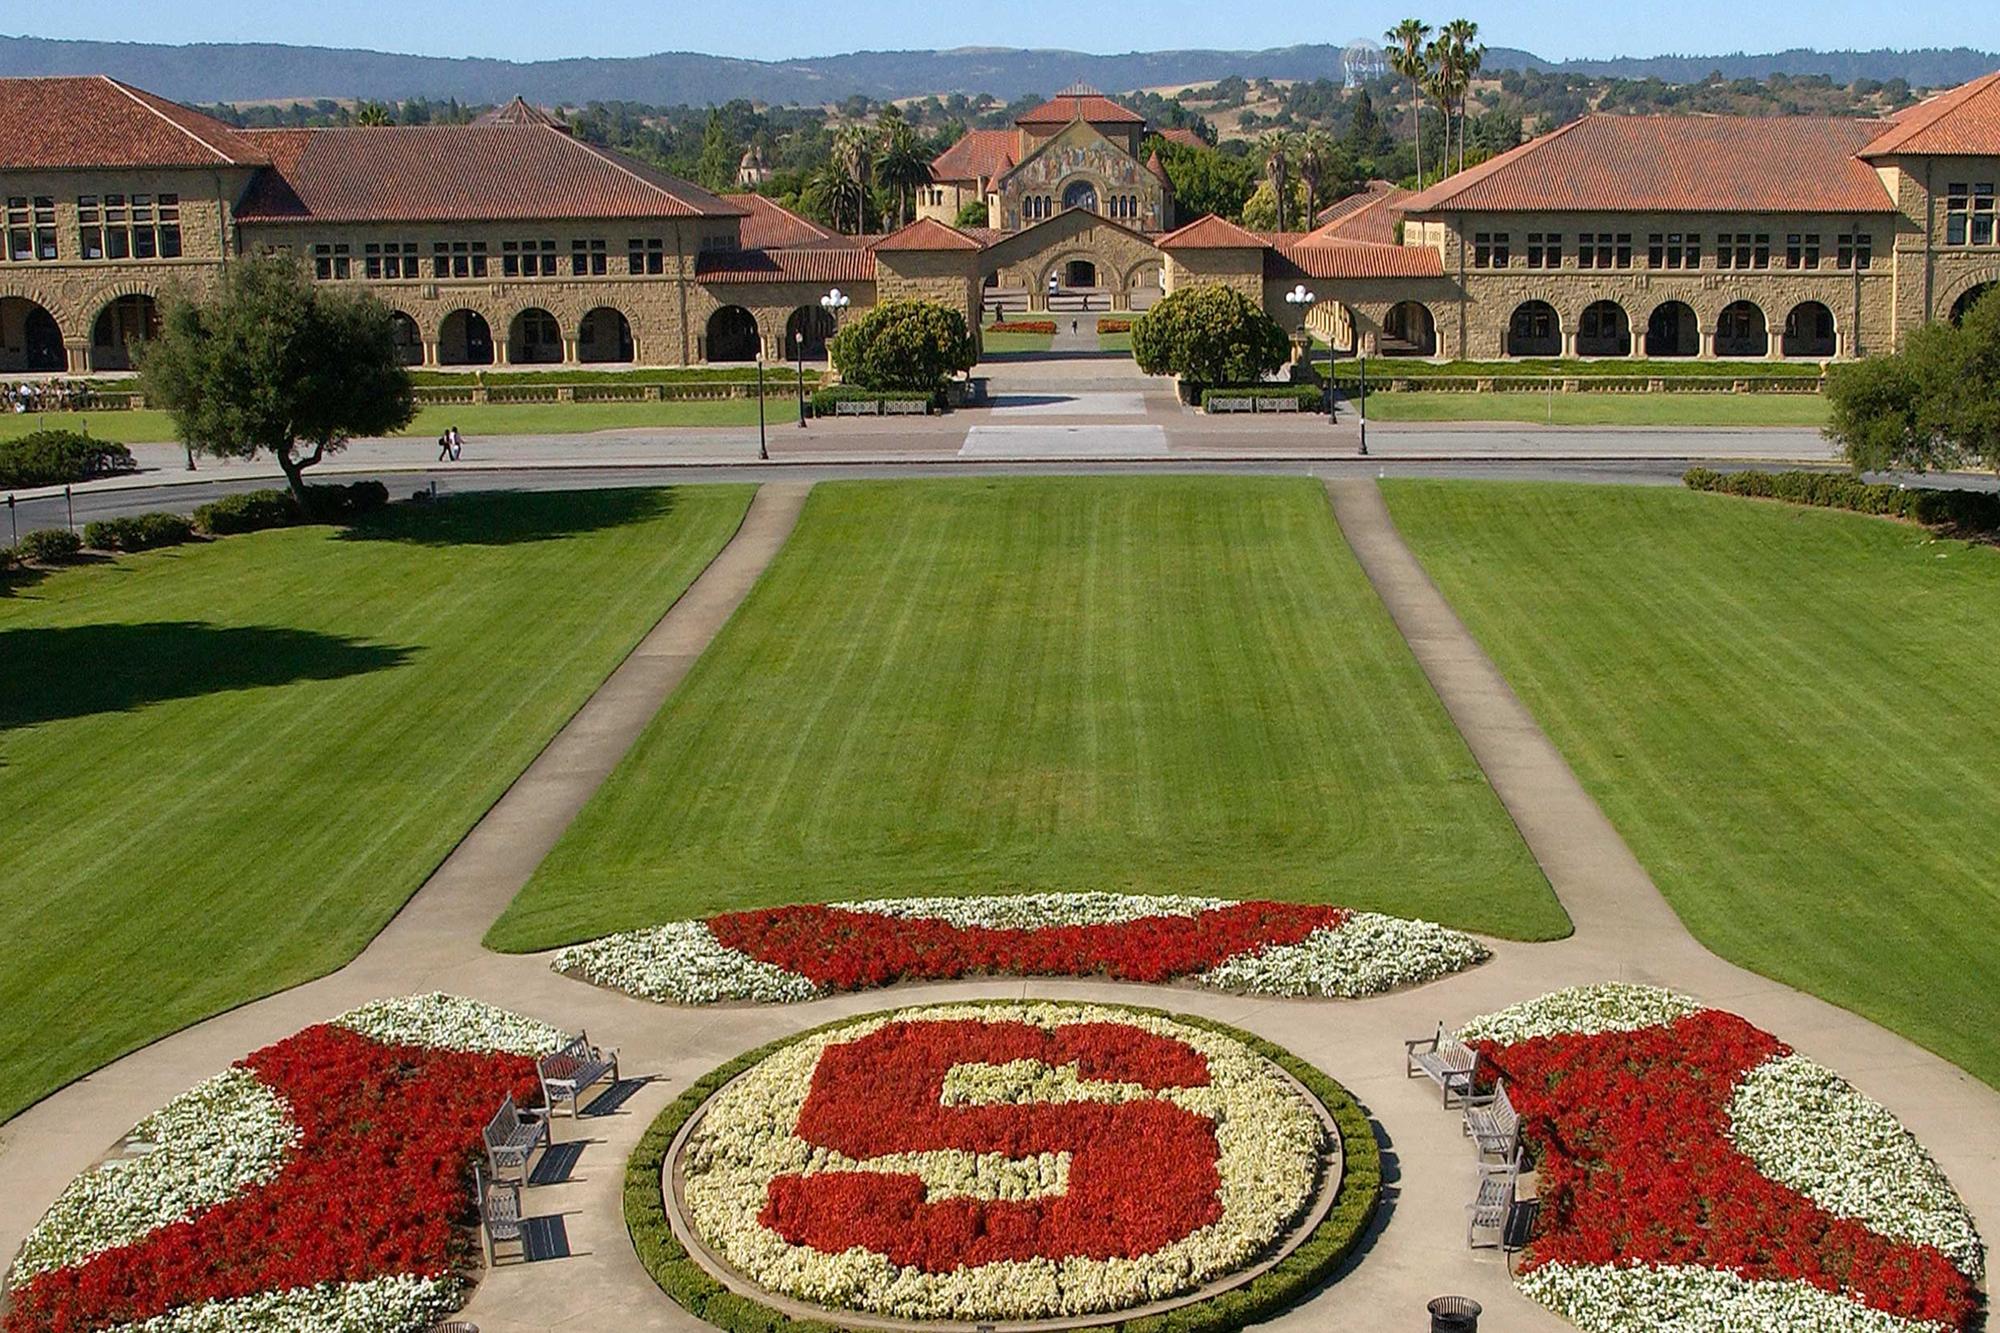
(1309, 1265)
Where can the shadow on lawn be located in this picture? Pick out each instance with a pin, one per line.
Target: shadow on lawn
(56, 673)
(508, 518)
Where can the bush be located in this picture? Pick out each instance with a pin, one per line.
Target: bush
(49, 546)
(1047, 326)
(141, 532)
(904, 345)
(1114, 326)
(339, 503)
(9, 561)
(1310, 397)
(251, 511)
(1209, 334)
(59, 458)
(823, 400)
(1972, 512)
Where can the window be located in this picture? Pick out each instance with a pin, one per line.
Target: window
(114, 226)
(89, 227)
(1743, 250)
(170, 226)
(389, 259)
(1545, 249)
(1604, 249)
(587, 259)
(332, 262)
(1491, 249)
(20, 233)
(458, 259)
(1673, 250)
(528, 259)
(648, 256)
(1802, 250)
(1854, 252)
(1037, 207)
(1957, 213)
(1982, 215)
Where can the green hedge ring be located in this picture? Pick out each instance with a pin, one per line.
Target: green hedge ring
(1293, 1277)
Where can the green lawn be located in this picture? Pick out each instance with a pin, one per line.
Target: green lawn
(148, 426)
(1656, 368)
(225, 766)
(1600, 409)
(1158, 684)
(1000, 344)
(1787, 712)
(1115, 342)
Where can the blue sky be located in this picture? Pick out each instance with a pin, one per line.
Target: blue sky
(538, 29)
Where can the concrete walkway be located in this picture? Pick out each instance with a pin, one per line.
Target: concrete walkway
(1624, 932)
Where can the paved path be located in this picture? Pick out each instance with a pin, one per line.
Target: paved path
(1417, 1250)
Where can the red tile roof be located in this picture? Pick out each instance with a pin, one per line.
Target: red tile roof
(1675, 164)
(980, 155)
(459, 173)
(1187, 137)
(769, 225)
(927, 234)
(1211, 233)
(94, 121)
(1315, 257)
(820, 264)
(519, 112)
(1369, 214)
(1964, 122)
(1093, 108)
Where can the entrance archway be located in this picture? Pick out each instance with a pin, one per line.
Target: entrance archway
(1409, 330)
(534, 339)
(604, 337)
(1079, 273)
(1080, 194)
(465, 339)
(1809, 332)
(1740, 331)
(1534, 330)
(811, 325)
(30, 339)
(1673, 331)
(732, 335)
(409, 340)
(1604, 330)
(1963, 306)
(125, 324)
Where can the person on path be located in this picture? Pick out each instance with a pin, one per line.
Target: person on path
(444, 446)
(457, 444)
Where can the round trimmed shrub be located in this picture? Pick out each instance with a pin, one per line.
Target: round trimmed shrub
(139, 532)
(50, 546)
(59, 458)
(1209, 335)
(913, 345)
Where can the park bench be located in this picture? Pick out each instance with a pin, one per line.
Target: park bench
(1495, 1127)
(1218, 405)
(1277, 404)
(499, 1215)
(1447, 1062)
(511, 1138)
(905, 407)
(567, 1072)
(1492, 1206)
(857, 407)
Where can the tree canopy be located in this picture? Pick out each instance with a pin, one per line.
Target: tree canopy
(915, 345)
(1935, 404)
(274, 362)
(1209, 335)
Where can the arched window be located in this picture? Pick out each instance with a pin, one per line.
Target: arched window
(1604, 330)
(1740, 331)
(409, 341)
(604, 336)
(1673, 331)
(1534, 330)
(29, 337)
(534, 339)
(1809, 332)
(465, 339)
(732, 335)
(1963, 306)
(126, 323)
(1409, 330)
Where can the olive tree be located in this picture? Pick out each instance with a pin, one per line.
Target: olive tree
(1209, 335)
(1935, 404)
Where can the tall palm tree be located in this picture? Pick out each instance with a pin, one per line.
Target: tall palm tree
(1406, 57)
(832, 193)
(902, 166)
(1315, 155)
(1277, 150)
(854, 154)
(1442, 86)
(1467, 58)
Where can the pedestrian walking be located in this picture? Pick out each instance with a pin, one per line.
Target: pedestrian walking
(457, 444)
(444, 447)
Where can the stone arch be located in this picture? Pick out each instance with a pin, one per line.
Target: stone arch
(1673, 330)
(732, 335)
(1082, 192)
(409, 338)
(31, 340)
(1409, 329)
(1741, 330)
(1970, 297)
(1534, 329)
(534, 338)
(809, 328)
(1604, 329)
(128, 320)
(465, 339)
(604, 336)
(1810, 332)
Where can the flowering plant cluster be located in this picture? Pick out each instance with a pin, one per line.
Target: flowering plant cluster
(1696, 1174)
(1019, 1161)
(788, 954)
(316, 1185)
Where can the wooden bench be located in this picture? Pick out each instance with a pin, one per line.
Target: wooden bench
(499, 1215)
(1447, 1062)
(1495, 1128)
(567, 1072)
(1492, 1206)
(905, 407)
(855, 407)
(511, 1138)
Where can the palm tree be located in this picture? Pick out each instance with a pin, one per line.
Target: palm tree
(832, 193)
(902, 166)
(1467, 58)
(1406, 57)
(1277, 150)
(373, 113)
(1442, 60)
(1314, 158)
(854, 154)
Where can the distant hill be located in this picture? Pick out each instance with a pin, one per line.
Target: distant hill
(244, 72)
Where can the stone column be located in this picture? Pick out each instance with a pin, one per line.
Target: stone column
(570, 357)
(1569, 345)
(430, 352)
(1707, 352)
(500, 350)
(76, 357)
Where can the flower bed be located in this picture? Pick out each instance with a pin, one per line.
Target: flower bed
(788, 954)
(1011, 1161)
(1047, 326)
(1696, 1174)
(318, 1184)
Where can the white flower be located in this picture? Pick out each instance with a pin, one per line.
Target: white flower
(1806, 1127)
(400, 1304)
(1581, 1011)
(1365, 955)
(451, 1023)
(1688, 1299)
(202, 1148)
(1036, 911)
(681, 963)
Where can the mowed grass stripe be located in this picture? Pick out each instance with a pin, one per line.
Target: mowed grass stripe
(224, 767)
(1150, 684)
(1788, 713)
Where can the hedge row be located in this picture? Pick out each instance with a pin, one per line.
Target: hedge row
(1296, 1275)
(1047, 326)
(823, 400)
(49, 546)
(1961, 511)
(140, 532)
(60, 458)
(253, 511)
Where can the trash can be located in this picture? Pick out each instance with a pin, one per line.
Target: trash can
(1454, 1314)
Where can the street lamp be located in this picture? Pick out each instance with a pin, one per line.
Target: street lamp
(833, 303)
(1302, 300)
(799, 341)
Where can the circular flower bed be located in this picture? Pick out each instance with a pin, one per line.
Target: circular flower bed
(1698, 1175)
(314, 1186)
(1011, 1161)
(789, 954)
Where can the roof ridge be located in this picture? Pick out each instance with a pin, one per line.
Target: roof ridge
(1422, 201)
(133, 95)
(605, 158)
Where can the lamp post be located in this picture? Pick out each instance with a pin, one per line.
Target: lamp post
(1302, 301)
(763, 441)
(799, 341)
(833, 303)
(1364, 403)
